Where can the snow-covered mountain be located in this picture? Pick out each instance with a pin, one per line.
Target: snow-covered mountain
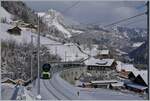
(133, 34)
(57, 24)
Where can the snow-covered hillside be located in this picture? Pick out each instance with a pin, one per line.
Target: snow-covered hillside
(4, 15)
(57, 24)
(66, 52)
(54, 19)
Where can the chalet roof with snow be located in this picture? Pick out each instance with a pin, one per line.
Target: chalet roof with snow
(104, 81)
(117, 84)
(124, 66)
(15, 30)
(98, 62)
(104, 52)
(143, 74)
(8, 80)
(137, 86)
(128, 67)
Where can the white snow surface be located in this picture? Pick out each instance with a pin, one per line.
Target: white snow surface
(41, 14)
(67, 34)
(76, 31)
(5, 14)
(71, 51)
(138, 44)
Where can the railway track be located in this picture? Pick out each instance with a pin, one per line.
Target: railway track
(51, 91)
(56, 89)
(62, 93)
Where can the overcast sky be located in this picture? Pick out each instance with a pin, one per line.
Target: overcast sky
(98, 12)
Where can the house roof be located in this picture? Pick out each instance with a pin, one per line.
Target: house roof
(143, 74)
(8, 79)
(133, 85)
(104, 81)
(98, 62)
(128, 67)
(104, 52)
(117, 84)
(124, 66)
(16, 28)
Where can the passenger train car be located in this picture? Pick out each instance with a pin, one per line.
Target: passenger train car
(46, 71)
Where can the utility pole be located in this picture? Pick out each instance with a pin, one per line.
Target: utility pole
(56, 50)
(148, 44)
(31, 56)
(38, 58)
(65, 55)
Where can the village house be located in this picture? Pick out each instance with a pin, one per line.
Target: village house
(117, 86)
(103, 54)
(138, 81)
(124, 69)
(16, 30)
(134, 79)
(31, 26)
(101, 69)
(112, 84)
(100, 64)
(8, 80)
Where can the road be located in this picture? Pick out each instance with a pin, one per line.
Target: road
(58, 89)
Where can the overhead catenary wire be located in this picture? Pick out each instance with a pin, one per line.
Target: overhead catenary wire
(73, 5)
(130, 23)
(123, 20)
(96, 22)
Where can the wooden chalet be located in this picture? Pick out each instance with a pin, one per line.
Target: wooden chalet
(138, 81)
(31, 26)
(103, 64)
(16, 30)
(8, 80)
(103, 54)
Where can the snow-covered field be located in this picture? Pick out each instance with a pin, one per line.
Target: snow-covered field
(68, 53)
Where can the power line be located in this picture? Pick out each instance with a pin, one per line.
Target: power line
(134, 22)
(73, 5)
(123, 20)
(136, 7)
